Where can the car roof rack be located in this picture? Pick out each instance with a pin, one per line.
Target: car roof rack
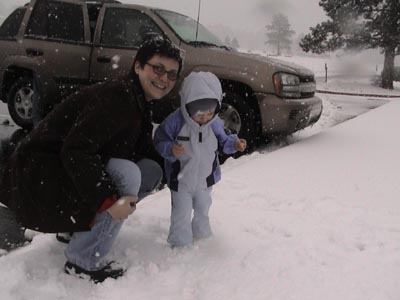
(102, 1)
(93, 1)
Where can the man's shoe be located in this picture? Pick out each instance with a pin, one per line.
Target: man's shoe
(96, 276)
(11, 233)
(64, 237)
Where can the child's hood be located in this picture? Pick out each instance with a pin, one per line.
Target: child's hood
(200, 85)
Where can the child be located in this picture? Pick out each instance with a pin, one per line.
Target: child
(188, 140)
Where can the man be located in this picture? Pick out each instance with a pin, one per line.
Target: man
(85, 165)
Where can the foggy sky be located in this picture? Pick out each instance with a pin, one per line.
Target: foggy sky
(244, 19)
(252, 14)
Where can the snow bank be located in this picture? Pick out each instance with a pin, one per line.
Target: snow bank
(319, 219)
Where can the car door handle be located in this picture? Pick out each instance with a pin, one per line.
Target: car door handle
(34, 52)
(104, 59)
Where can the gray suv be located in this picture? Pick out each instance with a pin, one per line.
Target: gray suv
(72, 43)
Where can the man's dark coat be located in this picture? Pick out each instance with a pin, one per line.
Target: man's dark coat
(55, 180)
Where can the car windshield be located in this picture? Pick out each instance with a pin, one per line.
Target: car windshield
(186, 28)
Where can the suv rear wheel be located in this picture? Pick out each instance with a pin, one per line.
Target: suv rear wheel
(19, 102)
(239, 118)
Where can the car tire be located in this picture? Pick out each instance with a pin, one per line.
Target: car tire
(239, 118)
(19, 102)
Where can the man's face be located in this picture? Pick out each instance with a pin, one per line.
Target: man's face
(155, 85)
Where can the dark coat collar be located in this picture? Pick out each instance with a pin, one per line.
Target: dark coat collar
(132, 82)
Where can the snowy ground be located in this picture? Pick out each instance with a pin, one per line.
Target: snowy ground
(316, 219)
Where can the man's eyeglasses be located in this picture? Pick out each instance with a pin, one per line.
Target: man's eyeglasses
(160, 70)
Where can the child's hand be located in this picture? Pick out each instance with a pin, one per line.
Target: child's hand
(178, 150)
(240, 145)
(121, 209)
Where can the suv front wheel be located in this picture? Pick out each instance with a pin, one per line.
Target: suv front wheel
(239, 118)
(19, 102)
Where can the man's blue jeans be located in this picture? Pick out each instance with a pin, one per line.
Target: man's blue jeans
(88, 249)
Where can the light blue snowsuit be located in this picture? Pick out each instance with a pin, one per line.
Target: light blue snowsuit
(191, 176)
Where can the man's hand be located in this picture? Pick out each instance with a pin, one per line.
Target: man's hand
(124, 207)
(178, 150)
(240, 145)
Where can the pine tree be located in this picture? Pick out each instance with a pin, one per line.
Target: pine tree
(235, 43)
(279, 33)
(227, 40)
(360, 24)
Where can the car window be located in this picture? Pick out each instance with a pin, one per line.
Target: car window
(93, 12)
(187, 28)
(126, 27)
(10, 27)
(57, 20)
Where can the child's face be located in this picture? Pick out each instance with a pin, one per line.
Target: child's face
(203, 118)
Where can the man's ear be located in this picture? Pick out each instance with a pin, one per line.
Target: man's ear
(137, 67)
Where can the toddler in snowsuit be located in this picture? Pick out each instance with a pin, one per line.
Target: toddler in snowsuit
(189, 139)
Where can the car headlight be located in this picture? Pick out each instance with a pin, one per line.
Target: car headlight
(287, 85)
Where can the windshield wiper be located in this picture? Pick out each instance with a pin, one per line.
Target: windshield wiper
(208, 44)
(202, 43)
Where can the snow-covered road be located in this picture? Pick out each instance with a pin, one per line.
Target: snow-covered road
(315, 219)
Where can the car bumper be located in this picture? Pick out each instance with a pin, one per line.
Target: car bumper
(285, 116)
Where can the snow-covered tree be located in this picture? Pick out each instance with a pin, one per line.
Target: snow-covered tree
(279, 33)
(361, 24)
(235, 43)
(227, 40)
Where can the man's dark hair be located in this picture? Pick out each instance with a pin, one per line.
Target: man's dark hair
(157, 44)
